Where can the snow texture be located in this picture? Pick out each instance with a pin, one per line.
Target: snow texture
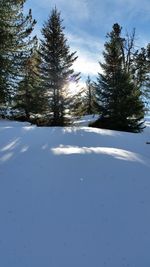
(74, 197)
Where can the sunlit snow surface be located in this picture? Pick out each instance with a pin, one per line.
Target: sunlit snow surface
(74, 197)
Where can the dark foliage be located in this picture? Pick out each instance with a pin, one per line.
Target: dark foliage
(109, 123)
(56, 69)
(118, 96)
(15, 47)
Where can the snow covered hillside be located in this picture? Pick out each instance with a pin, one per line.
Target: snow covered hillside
(74, 197)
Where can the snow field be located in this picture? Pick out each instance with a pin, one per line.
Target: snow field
(73, 197)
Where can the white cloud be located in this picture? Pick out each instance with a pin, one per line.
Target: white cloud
(85, 40)
(86, 64)
(89, 51)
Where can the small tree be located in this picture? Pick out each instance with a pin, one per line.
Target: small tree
(89, 98)
(118, 97)
(56, 68)
(85, 100)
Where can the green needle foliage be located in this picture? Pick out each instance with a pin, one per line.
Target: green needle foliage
(15, 46)
(56, 68)
(119, 98)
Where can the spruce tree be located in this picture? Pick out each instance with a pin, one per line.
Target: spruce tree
(118, 97)
(89, 98)
(29, 99)
(141, 74)
(15, 45)
(85, 100)
(136, 64)
(6, 38)
(23, 52)
(147, 85)
(56, 68)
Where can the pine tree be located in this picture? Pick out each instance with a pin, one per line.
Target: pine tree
(85, 100)
(118, 97)
(141, 74)
(89, 98)
(5, 45)
(147, 85)
(29, 99)
(15, 45)
(24, 47)
(56, 68)
(136, 64)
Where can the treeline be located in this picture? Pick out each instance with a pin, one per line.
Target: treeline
(35, 75)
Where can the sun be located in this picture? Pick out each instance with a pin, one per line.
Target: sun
(74, 87)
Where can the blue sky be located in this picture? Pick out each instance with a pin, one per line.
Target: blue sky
(87, 22)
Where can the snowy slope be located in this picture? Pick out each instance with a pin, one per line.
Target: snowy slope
(73, 197)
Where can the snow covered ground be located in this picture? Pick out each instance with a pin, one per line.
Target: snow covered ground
(74, 197)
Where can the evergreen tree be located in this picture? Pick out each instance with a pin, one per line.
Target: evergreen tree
(29, 99)
(118, 97)
(148, 75)
(85, 100)
(15, 45)
(5, 45)
(89, 98)
(77, 103)
(141, 74)
(136, 64)
(56, 68)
